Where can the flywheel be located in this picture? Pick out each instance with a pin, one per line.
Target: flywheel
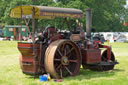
(62, 59)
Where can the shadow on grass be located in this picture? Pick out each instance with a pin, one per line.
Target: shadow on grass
(33, 76)
(89, 74)
(86, 74)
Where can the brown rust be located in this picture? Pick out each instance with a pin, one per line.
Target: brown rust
(27, 61)
(60, 61)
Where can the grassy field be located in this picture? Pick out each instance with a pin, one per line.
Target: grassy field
(11, 74)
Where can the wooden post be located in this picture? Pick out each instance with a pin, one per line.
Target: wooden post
(33, 24)
(20, 35)
(33, 39)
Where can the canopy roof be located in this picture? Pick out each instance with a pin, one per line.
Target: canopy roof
(44, 12)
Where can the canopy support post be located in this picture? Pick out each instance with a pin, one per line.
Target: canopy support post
(20, 33)
(33, 39)
(33, 24)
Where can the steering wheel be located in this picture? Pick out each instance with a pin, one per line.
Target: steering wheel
(45, 30)
(49, 30)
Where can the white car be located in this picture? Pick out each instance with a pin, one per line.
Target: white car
(1, 38)
(122, 38)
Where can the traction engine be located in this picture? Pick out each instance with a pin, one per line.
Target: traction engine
(61, 54)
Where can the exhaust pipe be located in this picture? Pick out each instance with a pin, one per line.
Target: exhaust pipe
(88, 23)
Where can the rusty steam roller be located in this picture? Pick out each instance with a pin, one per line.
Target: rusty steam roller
(61, 53)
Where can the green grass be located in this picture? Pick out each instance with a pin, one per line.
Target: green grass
(11, 74)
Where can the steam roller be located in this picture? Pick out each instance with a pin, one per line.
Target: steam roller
(57, 51)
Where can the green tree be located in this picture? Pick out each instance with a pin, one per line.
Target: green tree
(106, 13)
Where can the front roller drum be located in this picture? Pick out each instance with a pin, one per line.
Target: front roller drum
(62, 59)
(105, 66)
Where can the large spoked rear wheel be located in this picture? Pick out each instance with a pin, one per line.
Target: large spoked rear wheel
(62, 59)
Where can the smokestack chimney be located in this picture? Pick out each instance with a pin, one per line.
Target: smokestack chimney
(88, 22)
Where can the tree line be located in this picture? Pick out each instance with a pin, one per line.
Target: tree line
(107, 15)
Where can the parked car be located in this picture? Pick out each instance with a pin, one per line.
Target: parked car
(122, 38)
